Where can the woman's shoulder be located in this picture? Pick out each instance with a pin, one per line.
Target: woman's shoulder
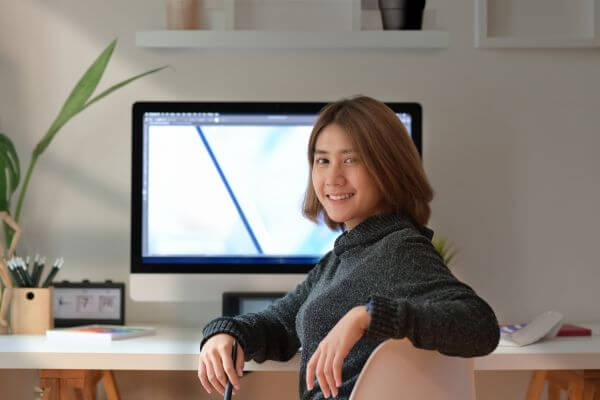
(409, 234)
(410, 241)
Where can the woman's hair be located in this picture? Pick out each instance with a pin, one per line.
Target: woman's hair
(387, 151)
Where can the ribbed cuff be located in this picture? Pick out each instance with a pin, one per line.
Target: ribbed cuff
(388, 318)
(223, 325)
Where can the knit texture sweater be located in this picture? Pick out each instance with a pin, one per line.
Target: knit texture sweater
(390, 261)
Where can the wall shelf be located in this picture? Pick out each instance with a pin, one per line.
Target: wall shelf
(257, 39)
(293, 24)
(537, 23)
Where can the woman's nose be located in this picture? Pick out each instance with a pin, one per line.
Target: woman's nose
(335, 176)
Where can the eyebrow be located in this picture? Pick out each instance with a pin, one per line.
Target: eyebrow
(344, 151)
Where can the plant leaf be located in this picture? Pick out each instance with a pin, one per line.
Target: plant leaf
(82, 91)
(10, 172)
(121, 84)
(76, 102)
(450, 256)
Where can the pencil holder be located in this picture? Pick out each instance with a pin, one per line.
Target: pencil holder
(31, 311)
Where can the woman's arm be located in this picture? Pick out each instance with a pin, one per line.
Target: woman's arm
(269, 334)
(436, 311)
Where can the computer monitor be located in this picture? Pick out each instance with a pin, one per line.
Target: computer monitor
(216, 198)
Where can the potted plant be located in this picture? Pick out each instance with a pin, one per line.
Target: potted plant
(445, 249)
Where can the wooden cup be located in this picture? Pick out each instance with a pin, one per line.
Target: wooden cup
(31, 311)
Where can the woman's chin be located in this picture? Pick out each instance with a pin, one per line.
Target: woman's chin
(340, 219)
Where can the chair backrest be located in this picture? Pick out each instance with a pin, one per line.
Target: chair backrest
(398, 370)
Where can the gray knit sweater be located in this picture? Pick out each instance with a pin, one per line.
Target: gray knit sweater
(387, 259)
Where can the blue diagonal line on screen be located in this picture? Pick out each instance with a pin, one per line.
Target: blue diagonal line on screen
(229, 190)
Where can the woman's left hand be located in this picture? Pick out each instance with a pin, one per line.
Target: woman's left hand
(326, 362)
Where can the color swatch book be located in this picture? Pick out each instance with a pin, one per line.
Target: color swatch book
(98, 333)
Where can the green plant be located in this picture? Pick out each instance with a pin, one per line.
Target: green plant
(445, 249)
(78, 100)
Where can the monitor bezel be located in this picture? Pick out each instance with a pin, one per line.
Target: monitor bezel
(139, 108)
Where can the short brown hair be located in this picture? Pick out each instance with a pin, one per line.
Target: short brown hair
(388, 153)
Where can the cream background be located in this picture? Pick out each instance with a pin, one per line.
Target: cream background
(510, 147)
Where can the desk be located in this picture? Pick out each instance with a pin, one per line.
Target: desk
(171, 349)
(177, 349)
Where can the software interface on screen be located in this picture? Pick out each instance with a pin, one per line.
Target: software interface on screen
(228, 188)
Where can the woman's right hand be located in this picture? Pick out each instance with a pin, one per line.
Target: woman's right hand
(215, 363)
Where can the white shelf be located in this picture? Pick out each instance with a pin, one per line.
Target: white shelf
(541, 42)
(537, 23)
(292, 39)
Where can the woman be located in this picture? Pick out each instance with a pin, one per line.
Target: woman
(383, 279)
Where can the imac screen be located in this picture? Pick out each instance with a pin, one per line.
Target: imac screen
(220, 189)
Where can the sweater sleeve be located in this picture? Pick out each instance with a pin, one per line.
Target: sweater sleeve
(435, 311)
(271, 333)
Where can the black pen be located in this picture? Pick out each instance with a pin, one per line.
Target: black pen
(53, 273)
(229, 386)
(36, 262)
(37, 273)
(15, 277)
(22, 270)
(38, 268)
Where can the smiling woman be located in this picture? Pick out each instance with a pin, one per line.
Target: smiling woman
(382, 151)
(340, 180)
(383, 278)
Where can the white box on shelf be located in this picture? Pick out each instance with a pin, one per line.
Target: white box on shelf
(537, 23)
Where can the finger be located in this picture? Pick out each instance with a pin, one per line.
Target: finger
(310, 370)
(216, 374)
(203, 378)
(220, 360)
(240, 361)
(338, 361)
(321, 376)
(328, 373)
(230, 371)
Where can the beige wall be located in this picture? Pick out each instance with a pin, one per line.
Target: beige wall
(510, 143)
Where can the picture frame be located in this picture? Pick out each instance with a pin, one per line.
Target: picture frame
(85, 303)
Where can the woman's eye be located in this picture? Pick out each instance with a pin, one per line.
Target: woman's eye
(349, 160)
(321, 161)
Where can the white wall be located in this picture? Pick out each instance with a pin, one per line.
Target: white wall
(510, 142)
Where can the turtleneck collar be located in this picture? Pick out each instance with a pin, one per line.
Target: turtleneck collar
(374, 228)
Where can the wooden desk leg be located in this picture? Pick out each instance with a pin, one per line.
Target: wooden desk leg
(553, 392)
(576, 390)
(51, 388)
(588, 390)
(110, 386)
(536, 385)
(65, 384)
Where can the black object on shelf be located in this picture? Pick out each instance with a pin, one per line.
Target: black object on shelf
(402, 14)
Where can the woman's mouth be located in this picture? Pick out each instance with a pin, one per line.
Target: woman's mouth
(339, 196)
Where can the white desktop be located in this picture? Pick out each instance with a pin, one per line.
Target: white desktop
(217, 195)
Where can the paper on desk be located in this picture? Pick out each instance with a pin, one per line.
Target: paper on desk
(545, 325)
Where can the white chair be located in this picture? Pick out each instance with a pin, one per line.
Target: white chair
(398, 370)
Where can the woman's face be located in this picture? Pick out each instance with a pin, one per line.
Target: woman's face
(342, 184)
